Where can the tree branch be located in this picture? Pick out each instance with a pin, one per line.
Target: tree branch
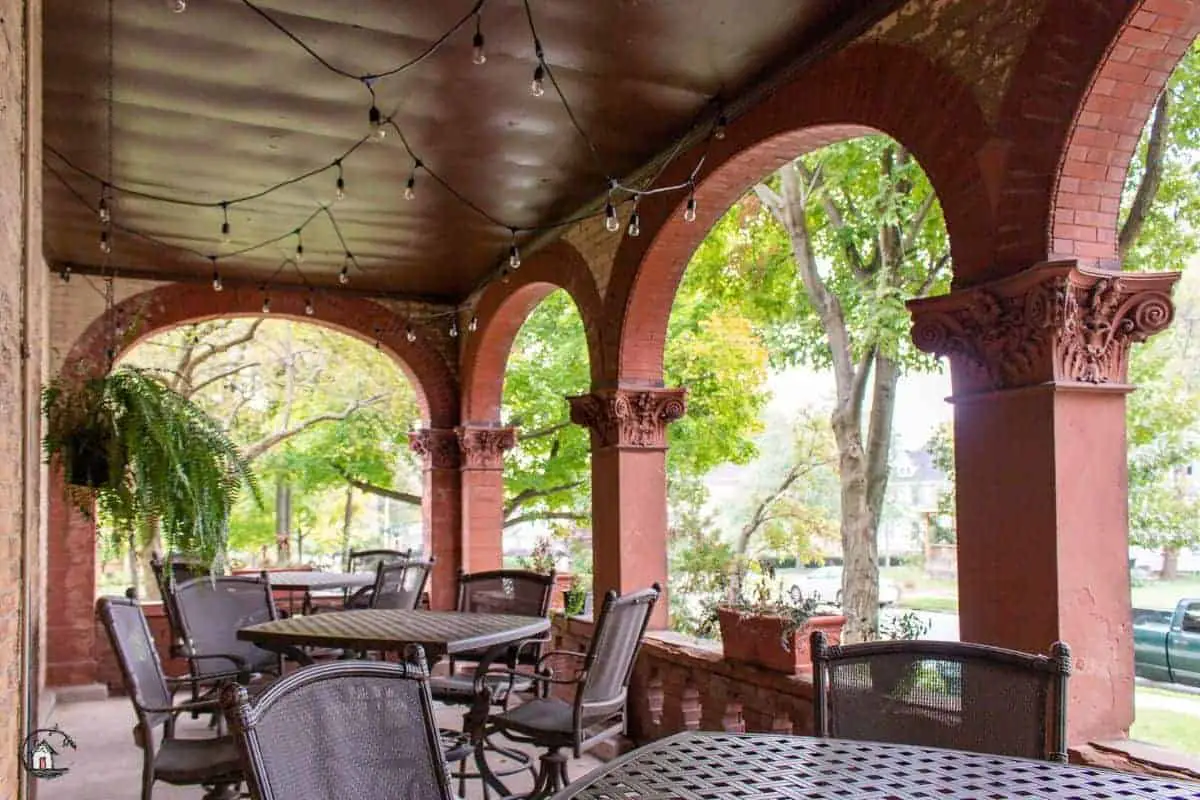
(521, 498)
(790, 214)
(220, 376)
(534, 516)
(267, 442)
(540, 432)
(1148, 186)
(931, 277)
(918, 221)
(836, 218)
(224, 347)
(382, 491)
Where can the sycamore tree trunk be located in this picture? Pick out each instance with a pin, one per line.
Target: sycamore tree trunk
(1170, 565)
(347, 519)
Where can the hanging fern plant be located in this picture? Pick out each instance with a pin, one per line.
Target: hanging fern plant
(140, 453)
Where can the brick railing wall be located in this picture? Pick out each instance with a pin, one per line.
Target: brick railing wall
(681, 684)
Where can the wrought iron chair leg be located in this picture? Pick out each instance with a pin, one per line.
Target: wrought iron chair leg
(221, 791)
(550, 775)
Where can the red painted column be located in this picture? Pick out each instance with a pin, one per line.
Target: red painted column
(441, 509)
(629, 486)
(1039, 367)
(483, 448)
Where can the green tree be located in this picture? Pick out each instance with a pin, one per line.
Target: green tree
(822, 257)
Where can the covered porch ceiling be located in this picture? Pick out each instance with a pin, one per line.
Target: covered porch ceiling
(219, 102)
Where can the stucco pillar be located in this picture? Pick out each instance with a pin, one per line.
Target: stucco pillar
(441, 510)
(483, 448)
(1039, 365)
(629, 486)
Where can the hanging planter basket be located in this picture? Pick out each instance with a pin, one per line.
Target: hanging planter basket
(87, 459)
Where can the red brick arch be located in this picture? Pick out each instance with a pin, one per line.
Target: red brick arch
(502, 310)
(866, 88)
(72, 647)
(178, 304)
(1092, 168)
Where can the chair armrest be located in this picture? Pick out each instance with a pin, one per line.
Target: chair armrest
(179, 708)
(552, 653)
(481, 687)
(241, 666)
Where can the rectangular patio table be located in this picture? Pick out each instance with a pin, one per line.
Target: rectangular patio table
(708, 766)
(388, 630)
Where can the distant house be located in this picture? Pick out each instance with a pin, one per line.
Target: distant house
(911, 507)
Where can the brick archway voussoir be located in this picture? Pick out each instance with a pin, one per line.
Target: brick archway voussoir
(866, 88)
(503, 309)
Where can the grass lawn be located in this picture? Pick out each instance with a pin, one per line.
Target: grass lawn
(1168, 729)
(1164, 595)
(929, 602)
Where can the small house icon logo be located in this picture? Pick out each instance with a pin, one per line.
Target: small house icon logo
(40, 754)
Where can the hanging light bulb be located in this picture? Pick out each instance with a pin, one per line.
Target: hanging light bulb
(410, 188)
(378, 126)
(309, 309)
(266, 306)
(473, 325)
(178, 6)
(344, 275)
(719, 128)
(216, 279)
(410, 334)
(299, 247)
(102, 209)
(340, 194)
(514, 256)
(225, 229)
(612, 223)
(536, 87)
(105, 242)
(635, 222)
(453, 328)
(689, 211)
(478, 56)
(65, 274)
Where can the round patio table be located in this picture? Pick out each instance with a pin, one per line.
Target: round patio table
(389, 630)
(708, 766)
(310, 581)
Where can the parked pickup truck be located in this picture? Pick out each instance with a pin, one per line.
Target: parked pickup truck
(1167, 644)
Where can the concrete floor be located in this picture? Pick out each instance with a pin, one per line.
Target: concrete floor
(107, 764)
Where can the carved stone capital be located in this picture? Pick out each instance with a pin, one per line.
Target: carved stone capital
(438, 446)
(635, 418)
(483, 447)
(1054, 323)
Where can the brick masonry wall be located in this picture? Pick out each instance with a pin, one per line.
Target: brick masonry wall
(22, 339)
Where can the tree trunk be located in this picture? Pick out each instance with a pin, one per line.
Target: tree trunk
(131, 563)
(283, 522)
(1170, 565)
(860, 571)
(347, 518)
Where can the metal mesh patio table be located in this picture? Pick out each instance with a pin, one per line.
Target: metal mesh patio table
(386, 630)
(708, 766)
(314, 580)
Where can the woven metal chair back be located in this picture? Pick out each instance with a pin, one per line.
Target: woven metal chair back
(177, 569)
(212, 609)
(342, 730)
(129, 635)
(943, 694)
(400, 585)
(505, 591)
(613, 652)
(369, 560)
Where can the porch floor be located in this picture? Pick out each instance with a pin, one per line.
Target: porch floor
(108, 766)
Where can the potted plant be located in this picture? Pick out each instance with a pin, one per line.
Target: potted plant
(141, 454)
(770, 628)
(574, 597)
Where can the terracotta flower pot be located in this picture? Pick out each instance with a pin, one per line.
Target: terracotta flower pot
(758, 639)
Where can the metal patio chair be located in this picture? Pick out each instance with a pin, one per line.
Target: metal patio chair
(397, 585)
(210, 612)
(213, 762)
(346, 729)
(943, 694)
(600, 679)
(179, 569)
(369, 561)
(502, 591)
